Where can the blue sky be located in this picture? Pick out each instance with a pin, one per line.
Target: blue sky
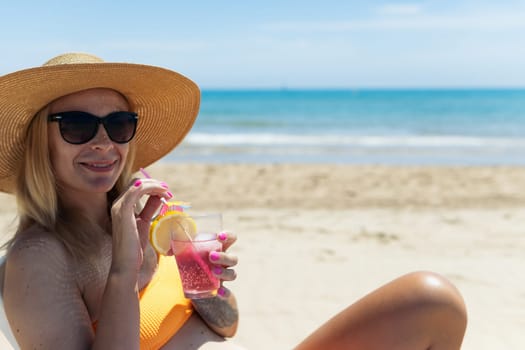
(272, 43)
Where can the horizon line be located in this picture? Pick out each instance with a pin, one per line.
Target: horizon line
(363, 88)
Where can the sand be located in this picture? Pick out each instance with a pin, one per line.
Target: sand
(315, 238)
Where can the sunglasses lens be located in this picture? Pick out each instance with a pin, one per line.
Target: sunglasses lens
(121, 126)
(78, 129)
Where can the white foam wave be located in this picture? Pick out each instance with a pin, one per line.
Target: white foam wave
(206, 139)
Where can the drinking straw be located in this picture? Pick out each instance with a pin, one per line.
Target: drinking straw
(196, 256)
(147, 176)
(145, 173)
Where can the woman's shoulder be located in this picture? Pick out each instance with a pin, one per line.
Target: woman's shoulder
(35, 245)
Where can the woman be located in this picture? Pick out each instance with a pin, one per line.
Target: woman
(80, 272)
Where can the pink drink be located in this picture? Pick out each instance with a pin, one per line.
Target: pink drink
(198, 280)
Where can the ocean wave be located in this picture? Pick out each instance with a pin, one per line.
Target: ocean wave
(365, 141)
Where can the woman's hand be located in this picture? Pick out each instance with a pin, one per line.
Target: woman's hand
(223, 261)
(130, 230)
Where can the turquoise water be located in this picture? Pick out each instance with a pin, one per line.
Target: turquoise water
(359, 126)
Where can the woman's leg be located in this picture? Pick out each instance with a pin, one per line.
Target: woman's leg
(420, 310)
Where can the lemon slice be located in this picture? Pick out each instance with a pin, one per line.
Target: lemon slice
(170, 225)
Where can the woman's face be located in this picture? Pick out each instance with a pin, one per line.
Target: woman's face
(93, 166)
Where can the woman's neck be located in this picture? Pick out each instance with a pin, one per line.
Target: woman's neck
(93, 206)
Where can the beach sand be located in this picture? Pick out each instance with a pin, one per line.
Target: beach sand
(315, 238)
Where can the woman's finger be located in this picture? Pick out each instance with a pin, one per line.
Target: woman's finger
(224, 274)
(223, 292)
(227, 238)
(223, 259)
(150, 208)
(156, 190)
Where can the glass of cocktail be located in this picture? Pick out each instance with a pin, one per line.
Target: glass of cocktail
(191, 244)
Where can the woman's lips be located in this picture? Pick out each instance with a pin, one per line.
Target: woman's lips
(99, 167)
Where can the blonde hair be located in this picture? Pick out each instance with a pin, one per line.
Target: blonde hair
(39, 201)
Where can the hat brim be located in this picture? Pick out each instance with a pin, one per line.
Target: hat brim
(167, 104)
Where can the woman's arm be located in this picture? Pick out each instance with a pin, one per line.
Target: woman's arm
(121, 319)
(220, 313)
(119, 323)
(42, 300)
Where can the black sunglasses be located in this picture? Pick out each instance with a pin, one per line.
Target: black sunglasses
(80, 127)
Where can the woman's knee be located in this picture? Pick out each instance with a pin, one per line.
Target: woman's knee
(434, 292)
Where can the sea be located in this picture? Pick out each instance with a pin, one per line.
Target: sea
(358, 126)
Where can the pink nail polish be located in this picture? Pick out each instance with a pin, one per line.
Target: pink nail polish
(217, 270)
(222, 236)
(163, 184)
(170, 195)
(137, 183)
(221, 291)
(214, 256)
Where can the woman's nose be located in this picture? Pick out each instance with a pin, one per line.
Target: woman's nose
(101, 139)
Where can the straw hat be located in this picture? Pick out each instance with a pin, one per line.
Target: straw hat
(167, 103)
